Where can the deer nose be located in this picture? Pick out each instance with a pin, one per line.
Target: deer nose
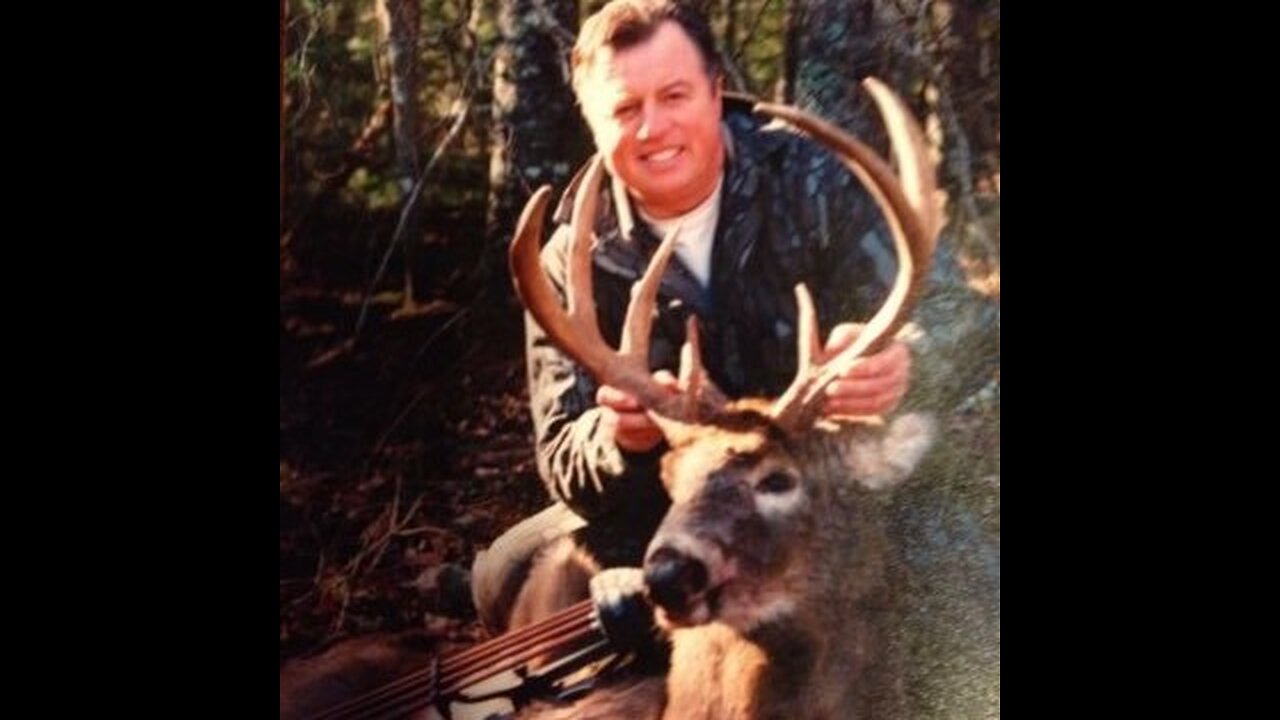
(674, 579)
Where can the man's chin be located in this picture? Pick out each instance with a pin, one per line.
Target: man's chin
(663, 200)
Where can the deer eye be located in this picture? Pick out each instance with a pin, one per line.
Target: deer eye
(778, 482)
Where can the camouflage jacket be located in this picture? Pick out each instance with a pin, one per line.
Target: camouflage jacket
(789, 213)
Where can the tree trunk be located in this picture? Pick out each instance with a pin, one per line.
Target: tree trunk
(832, 45)
(537, 136)
(481, 13)
(400, 20)
(968, 33)
(283, 14)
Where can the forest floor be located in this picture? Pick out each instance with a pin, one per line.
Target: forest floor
(401, 453)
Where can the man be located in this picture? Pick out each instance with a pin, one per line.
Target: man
(760, 209)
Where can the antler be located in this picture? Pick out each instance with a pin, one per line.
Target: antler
(914, 217)
(576, 331)
(910, 208)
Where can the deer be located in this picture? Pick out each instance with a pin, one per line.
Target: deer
(771, 572)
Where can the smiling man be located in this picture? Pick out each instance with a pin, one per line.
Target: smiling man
(760, 209)
(654, 110)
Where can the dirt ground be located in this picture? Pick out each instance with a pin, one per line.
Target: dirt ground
(401, 453)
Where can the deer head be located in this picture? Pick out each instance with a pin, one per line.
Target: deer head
(752, 482)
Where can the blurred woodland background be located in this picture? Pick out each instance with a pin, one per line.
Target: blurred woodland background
(412, 132)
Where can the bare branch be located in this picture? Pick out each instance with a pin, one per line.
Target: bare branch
(461, 107)
(737, 79)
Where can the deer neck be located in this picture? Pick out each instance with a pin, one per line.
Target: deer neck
(718, 673)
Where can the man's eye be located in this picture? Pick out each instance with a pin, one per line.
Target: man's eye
(625, 111)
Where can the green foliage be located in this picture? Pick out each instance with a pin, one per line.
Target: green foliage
(376, 191)
(330, 88)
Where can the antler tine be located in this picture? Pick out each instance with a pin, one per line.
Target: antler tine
(581, 340)
(807, 337)
(578, 284)
(575, 331)
(691, 371)
(531, 283)
(703, 397)
(644, 297)
(911, 211)
(915, 170)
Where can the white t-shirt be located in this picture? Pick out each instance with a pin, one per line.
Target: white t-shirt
(697, 231)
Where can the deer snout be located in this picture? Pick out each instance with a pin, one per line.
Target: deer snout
(676, 581)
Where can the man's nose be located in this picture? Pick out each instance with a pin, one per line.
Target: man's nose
(653, 124)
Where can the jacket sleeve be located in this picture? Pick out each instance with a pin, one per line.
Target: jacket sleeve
(578, 459)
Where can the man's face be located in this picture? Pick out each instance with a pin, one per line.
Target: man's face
(655, 116)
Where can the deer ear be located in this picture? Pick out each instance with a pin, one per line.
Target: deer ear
(885, 457)
(906, 442)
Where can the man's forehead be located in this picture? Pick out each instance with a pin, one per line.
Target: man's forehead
(613, 75)
(680, 60)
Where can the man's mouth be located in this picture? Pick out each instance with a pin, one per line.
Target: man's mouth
(663, 157)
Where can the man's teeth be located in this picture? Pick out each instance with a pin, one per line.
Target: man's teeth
(663, 155)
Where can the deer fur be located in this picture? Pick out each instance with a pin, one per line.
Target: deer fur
(558, 578)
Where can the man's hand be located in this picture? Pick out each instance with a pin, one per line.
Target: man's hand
(632, 429)
(874, 385)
